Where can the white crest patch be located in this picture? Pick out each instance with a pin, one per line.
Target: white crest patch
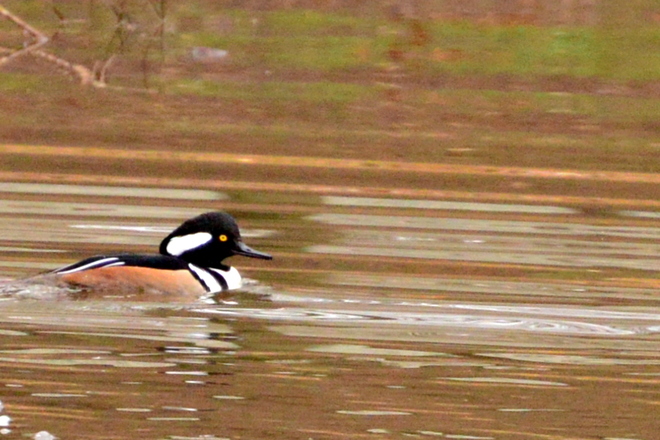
(185, 243)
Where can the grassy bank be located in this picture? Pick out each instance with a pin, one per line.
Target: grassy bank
(618, 46)
(329, 83)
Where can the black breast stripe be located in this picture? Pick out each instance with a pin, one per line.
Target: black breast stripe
(212, 281)
(220, 279)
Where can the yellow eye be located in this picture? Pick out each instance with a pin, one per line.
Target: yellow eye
(223, 237)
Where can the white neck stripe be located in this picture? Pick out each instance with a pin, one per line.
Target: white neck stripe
(209, 281)
(231, 276)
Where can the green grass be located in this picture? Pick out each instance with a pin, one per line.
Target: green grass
(311, 92)
(288, 99)
(20, 83)
(290, 40)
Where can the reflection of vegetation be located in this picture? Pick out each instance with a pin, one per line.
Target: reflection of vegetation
(333, 119)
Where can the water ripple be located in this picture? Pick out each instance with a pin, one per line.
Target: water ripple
(465, 321)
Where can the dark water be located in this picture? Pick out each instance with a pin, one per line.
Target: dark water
(381, 317)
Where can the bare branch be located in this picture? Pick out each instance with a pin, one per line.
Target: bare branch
(39, 37)
(101, 72)
(125, 32)
(85, 75)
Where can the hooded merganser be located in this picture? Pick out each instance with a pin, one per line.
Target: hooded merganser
(190, 262)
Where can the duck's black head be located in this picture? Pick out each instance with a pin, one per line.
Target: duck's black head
(208, 239)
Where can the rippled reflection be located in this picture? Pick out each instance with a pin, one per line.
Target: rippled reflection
(465, 224)
(442, 205)
(493, 287)
(496, 242)
(465, 321)
(82, 210)
(110, 191)
(500, 380)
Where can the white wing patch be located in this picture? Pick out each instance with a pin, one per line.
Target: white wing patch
(103, 262)
(185, 243)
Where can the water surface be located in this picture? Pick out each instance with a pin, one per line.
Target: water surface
(380, 317)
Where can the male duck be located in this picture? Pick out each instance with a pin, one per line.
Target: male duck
(190, 262)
